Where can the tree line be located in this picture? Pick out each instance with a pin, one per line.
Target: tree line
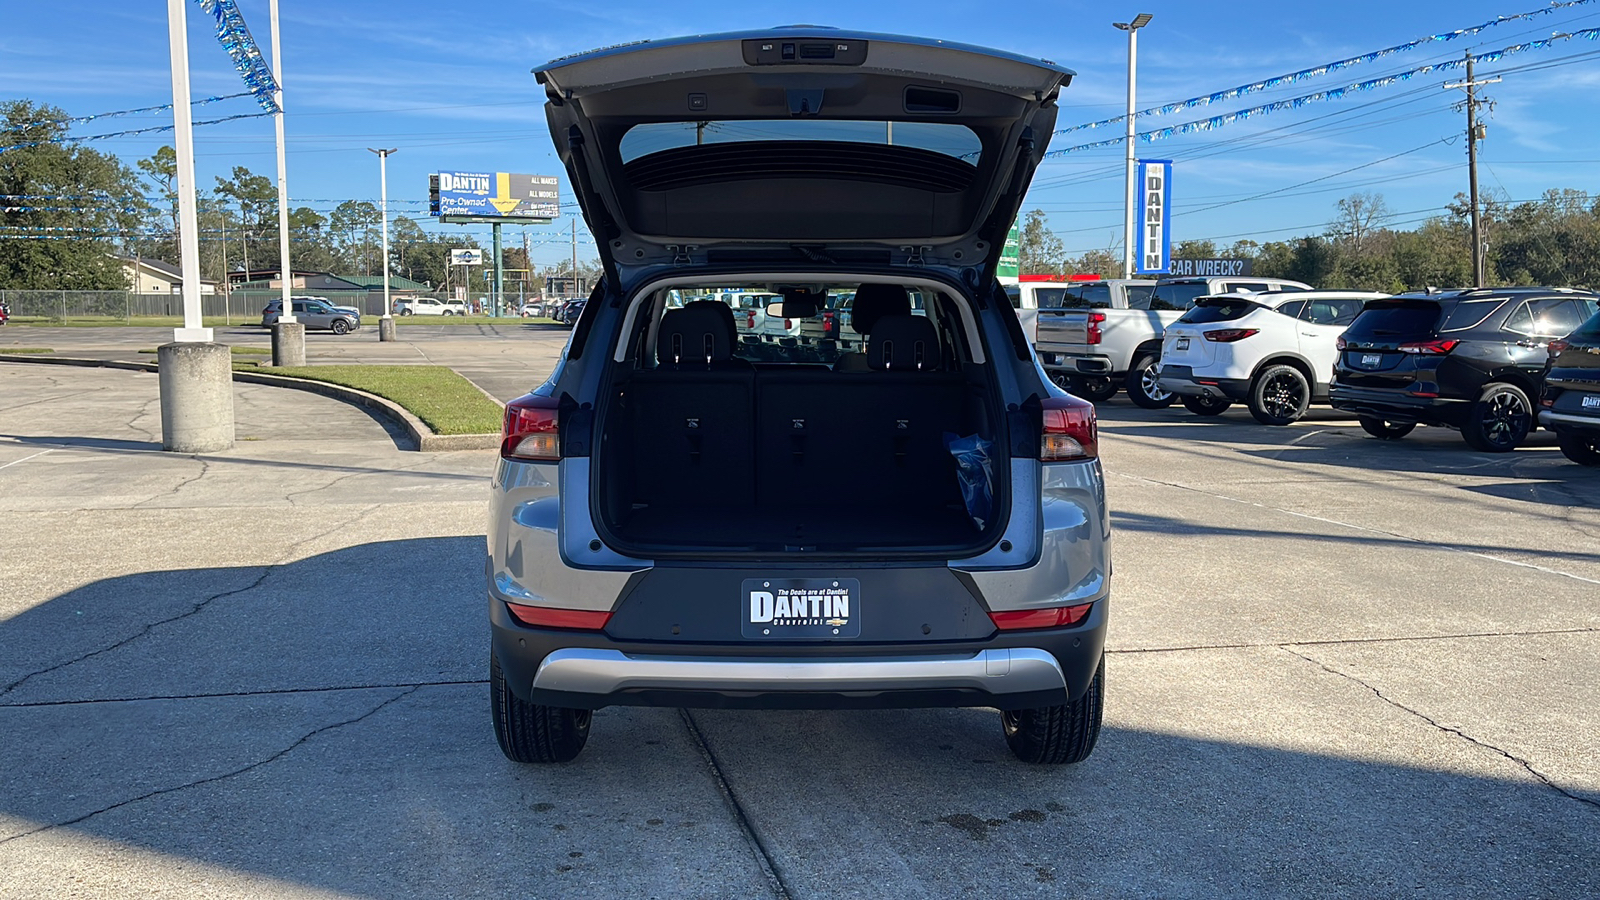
(67, 210)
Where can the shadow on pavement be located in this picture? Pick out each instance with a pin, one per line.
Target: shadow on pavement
(324, 723)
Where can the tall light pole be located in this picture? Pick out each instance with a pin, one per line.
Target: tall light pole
(288, 344)
(1130, 196)
(385, 321)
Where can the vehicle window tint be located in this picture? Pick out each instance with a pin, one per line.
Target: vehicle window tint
(1555, 316)
(947, 138)
(1051, 298)
(1254, 287)
(299, 306)
(1293, 308)
(1520, 320)
(1015, 295)
(1389, 321)
(1138, 295)
(1588, 331)
(1218, 310)
(1097, 296)
(1471, 313)
(1177, 295)
(1345, 311)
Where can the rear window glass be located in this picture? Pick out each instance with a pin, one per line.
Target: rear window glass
(1139, 295)
(947, 138)
(1395, 320)
(1177, 295)
(1218, 311)
(1014, 294)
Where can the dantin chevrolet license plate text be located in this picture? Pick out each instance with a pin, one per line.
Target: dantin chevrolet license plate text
(801, 608)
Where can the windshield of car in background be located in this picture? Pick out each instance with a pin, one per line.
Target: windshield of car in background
(1395, 320)
(1177, 295)
(1218, 309)
(823, 338)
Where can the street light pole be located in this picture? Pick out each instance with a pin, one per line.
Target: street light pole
(385, 321)
(1130, 194)
(288, 335)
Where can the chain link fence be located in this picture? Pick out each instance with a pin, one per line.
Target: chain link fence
(238, 307)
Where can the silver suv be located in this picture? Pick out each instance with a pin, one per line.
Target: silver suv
(684, 517)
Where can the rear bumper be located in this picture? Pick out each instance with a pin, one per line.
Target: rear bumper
(1075, 364)
(590, 670)
(1557, 421)
(1181, 380)
(1396, 406)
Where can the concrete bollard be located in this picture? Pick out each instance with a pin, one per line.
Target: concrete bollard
(196, 397)
(386, 328)
(289, 344)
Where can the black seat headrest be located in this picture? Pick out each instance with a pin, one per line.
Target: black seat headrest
(874, 301)
(700, 332)
(903, 344)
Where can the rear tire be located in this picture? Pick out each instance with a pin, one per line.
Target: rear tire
(407, 312)
(1098, 390)
(1141, 384)
(1053, 735)
(1499, 420)
(1385, 430)
(1583, 449)
(1279, 395)
(1207, 406)
(529, 733)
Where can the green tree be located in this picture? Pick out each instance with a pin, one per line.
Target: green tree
(68, 207)
(1039, 250)
(1194, 250)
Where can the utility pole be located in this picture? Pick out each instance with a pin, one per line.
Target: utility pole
(385, 321)
(1476, 131)
(575, 291)
(1130, 194)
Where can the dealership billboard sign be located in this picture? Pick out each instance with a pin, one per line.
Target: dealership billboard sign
(494, 195)
(1153, 247)
(1192, 267)
(466, 257)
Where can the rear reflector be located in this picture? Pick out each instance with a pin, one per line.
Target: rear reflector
(1069, 430)
(530, 430)
(1429, 348)
(1229, 335)
(1054, 617)
(550, 617)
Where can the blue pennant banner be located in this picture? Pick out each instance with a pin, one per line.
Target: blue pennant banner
(235, 38)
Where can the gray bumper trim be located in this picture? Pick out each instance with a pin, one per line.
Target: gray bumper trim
(602, 672)
(1546, 417)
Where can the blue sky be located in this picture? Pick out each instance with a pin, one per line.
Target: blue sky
(450, 86)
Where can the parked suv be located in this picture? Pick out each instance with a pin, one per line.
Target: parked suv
(1272, 351)
(1101, 349)
(1570, 405)
(312, 312)
(1469, 359)
(657, 533)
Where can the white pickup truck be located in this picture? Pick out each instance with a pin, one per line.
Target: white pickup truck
(1094, 344)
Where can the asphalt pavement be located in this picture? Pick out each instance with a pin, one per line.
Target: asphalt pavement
(1339, 667)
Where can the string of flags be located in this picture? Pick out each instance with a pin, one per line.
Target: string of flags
(1589, 34)
(1255, 87)
(153, 129)
(235, 38)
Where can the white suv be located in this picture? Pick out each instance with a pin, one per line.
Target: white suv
(1272, 351)
(430, 306)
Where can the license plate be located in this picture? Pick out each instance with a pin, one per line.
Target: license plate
(1372, 359)
(1592, 401)
(789, 609)
(1183, 344)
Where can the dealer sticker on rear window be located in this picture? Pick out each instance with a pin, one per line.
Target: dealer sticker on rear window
(801, 608)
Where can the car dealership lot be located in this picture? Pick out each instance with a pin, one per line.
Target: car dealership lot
(1339, 666)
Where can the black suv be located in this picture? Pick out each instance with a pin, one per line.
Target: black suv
(1571, 401)
(1471, 360)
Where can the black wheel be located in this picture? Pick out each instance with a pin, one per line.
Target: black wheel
(1057, 734)
(340, 326)
(407, 312)
(1499, 420)
(1279, 395)
(1207, 406)
(1096, 390)
(1385, 430)
(1141, 384)
(1580, 448)
(529, 733)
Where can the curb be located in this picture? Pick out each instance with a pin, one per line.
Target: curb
(422, 437)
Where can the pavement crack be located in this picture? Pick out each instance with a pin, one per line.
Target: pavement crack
(1447, 729)
(1336, 642)
(758, 847)
(194, 609)
(205, 468)
(215, 778)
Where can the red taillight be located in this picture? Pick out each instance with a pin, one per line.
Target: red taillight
(1069, 430)
(1557, 348)
(787, 324)
(1093, 332)
(1429, 348)
(751, 324)
(1054, 617)
(531, 429)
(550, 617)
(1229, 335)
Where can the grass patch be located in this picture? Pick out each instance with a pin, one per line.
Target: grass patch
(469, 320)
(26, 350)
(236, 351)
(437, 395)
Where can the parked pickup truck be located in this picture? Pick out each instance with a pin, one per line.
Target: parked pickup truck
(1093, 344)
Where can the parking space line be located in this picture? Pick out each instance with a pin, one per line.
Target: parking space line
(26, 458)
(1369, 530)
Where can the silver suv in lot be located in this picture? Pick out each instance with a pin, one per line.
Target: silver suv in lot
(680, 520)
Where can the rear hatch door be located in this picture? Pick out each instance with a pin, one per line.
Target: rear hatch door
(1372, 357)
(806, 144)
(1184, 342)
